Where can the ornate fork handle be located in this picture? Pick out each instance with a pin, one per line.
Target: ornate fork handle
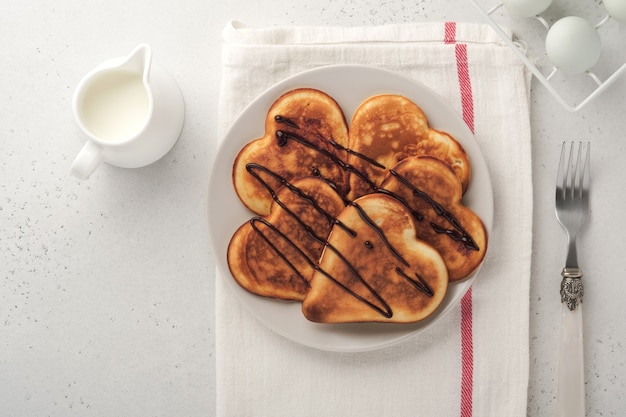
(572, 289)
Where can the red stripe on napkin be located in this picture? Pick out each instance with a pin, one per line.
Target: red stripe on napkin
(467, 355)
(450, 32)
(465, 83)
(467, 343)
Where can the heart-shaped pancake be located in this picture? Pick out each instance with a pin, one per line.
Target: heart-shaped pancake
(364, 224)
(275, 255)
(387, 128)
(430, 188)
(379, 273)
(305, 134)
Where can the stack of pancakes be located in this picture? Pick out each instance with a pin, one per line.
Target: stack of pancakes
(360, 223)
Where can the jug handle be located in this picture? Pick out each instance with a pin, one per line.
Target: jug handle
(87, 160)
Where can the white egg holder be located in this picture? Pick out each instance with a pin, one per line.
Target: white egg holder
(547, 76)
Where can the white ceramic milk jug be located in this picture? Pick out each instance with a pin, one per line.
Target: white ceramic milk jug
(130, 110)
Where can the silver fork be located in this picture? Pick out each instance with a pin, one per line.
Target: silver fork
(572, 209)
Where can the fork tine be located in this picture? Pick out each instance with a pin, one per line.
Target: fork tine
(575, 173)
(586, 175)
(566, 176)
(580, 176)
(561, 176)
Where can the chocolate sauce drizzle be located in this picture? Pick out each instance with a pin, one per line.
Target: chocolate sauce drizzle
(254, 169)
(282, 137)
(383, 308)
(458, 233)
(418, 282)
(280, 119)
(379, 231)
(253, 222)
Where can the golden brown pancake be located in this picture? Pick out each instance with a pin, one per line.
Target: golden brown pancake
(388, 128)
(386, 257)
(383, 273)
(432, 190)
(299, 128)
(273, 255)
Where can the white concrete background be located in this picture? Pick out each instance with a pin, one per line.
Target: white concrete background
(106, 285)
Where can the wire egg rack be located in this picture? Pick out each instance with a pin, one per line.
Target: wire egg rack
(572, 90)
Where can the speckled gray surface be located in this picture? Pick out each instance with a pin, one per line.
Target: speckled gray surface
(106, 291)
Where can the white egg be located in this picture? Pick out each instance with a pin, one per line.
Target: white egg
(526, 8)
(573, 44)
(616, 9)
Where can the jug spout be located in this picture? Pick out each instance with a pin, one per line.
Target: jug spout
(139, 61)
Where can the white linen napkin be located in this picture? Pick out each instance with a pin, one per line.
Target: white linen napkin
(474, 362)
